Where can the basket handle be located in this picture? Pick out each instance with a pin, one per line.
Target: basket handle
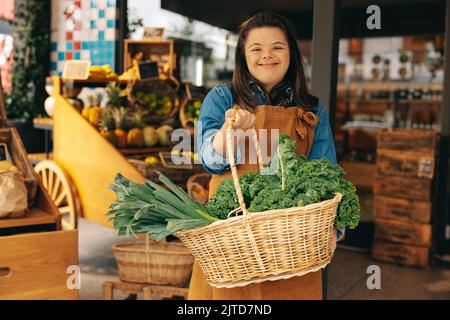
(230, 152)
(188, 91)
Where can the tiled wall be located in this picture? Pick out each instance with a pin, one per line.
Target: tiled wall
(84, 29)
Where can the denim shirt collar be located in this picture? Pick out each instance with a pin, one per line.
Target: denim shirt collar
(262, 98)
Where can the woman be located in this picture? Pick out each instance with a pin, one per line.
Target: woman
(269, 92)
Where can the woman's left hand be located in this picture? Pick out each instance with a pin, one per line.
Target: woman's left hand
(333, 241)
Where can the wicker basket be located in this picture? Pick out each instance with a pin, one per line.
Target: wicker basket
(163, 263)
(159, 87)
(198, 187)
(192, 95)
(269, 245)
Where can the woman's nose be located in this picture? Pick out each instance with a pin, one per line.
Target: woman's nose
(267, 54)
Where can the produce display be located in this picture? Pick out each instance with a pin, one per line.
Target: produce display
(102, 73)
(289, 181)
(193, 109)
(155, 104)
(121, 125)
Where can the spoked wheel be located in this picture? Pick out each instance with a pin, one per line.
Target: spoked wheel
(62, 191)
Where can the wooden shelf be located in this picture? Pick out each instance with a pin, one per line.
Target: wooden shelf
(382, 101)
(419, 101)
(33, 217)
(143, 150)
(361, 174)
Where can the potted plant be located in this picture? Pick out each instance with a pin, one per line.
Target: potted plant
(31, 32)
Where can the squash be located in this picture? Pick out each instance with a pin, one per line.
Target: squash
(135, 138)
(150, 136)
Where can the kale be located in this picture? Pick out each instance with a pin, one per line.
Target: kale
(289, 181)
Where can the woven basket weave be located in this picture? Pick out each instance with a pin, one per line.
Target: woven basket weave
(163, 263)
(269, 245)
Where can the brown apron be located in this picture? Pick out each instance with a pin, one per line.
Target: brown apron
(299, 125)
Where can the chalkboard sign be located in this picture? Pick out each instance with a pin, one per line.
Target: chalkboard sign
(4, 155)
(148, 70)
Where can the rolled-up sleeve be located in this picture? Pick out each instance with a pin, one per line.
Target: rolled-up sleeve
(211, 119)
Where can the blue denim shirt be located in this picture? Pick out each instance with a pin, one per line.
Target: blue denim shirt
(212, 117)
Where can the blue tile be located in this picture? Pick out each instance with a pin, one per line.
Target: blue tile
(59, 73)
(93, 24)
(53, 46)
(77, 55)
(101, 14)
(93, 4)
(84, 45)
(69, 46)
(111, 3)
(54, 66)
(61, 56)
(101, 35)
(110, 24)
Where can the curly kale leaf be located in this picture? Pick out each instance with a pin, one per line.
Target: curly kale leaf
(223, 201)
(287, 182)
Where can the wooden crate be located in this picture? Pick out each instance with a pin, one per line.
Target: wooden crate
(405, 163)
(408, 140)
(402, 209)
(403, 187)
(33, 265)
(20, 159)
(402, 254)
(403, 232)
(149, 48)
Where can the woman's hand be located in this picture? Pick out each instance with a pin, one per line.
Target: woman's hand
(243, 118)
(333, 241)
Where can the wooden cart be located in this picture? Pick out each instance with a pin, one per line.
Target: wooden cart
(92, 162)
(37, 258)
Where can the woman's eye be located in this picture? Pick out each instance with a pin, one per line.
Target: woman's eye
(278, 48)
(255, 49)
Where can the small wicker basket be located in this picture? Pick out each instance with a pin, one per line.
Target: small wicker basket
(159, 87)
(270, 245)
(163, 263)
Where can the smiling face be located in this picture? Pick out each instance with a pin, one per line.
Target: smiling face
(267, 55)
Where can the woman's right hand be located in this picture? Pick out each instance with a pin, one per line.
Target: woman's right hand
(243, 118)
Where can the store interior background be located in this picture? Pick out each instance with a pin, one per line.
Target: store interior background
(372, 74)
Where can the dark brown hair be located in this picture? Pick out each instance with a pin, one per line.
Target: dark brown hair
(243, 83)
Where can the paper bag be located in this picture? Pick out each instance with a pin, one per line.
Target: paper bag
(13, 195)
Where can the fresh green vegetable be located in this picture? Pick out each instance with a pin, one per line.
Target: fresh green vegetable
(150, 208)
(287, 182)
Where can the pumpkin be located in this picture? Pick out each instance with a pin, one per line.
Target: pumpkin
(121, 138)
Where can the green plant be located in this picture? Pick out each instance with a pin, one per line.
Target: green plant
(31, 32)
(150, 208)
(287, 182)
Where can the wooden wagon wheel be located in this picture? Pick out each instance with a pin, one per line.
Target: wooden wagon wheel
(61, 190)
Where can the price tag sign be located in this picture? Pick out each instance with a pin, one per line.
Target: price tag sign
(148, 70)
(153, 33)
(76, 69)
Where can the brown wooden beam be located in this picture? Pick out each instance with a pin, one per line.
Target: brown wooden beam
(325, 50)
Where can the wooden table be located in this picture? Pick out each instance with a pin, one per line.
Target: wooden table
(150, 291)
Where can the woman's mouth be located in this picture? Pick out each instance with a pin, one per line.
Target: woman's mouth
(268, 65)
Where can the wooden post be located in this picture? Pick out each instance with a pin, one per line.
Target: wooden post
(325, 49)
(442, 220)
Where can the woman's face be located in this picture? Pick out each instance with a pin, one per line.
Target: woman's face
(267, 55)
